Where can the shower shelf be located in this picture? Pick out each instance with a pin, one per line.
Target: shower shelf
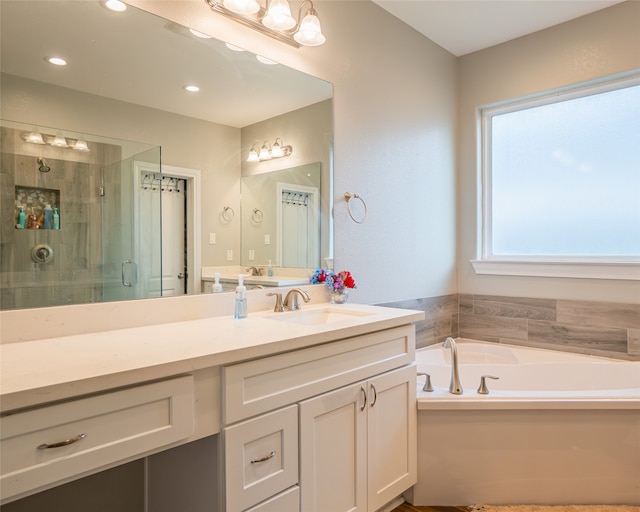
(35, 199)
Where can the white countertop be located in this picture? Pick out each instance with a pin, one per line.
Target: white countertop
(44, 370)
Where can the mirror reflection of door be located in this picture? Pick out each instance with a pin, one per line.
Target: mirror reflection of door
(160, 232)
(298, 225)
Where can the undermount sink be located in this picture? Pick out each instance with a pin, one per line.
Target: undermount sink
(320, 316)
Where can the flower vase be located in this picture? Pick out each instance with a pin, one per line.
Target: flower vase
(339, 296)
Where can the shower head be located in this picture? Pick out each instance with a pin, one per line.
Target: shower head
(43, 165)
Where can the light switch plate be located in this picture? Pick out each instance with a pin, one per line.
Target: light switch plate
(212, 238)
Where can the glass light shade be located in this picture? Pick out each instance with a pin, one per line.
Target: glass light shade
(253, 156)
(264, 153)
(278, 16)
(277, 152)
(242, 6)
(35, 137)
(310, 33)
(59, 141)
(81, 145)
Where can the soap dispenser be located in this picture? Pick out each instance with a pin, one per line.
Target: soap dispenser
(241, 299)
(21, 218)
(217, 287)
(270, 270)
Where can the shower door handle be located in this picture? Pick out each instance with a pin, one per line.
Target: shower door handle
(124, 281)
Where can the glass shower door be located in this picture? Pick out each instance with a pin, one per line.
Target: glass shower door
(132, 228)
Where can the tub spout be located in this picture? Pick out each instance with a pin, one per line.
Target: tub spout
(454, 386)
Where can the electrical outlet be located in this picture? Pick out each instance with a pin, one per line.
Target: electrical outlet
(212, 238)
(229, 254)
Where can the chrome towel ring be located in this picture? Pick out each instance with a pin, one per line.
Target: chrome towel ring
(228, 213)
(348, 196)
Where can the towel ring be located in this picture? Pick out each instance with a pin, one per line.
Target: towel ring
(228, 213)
(348, 197)
(256, 216)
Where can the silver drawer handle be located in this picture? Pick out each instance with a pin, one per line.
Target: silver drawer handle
(263, 459)
(60, 444)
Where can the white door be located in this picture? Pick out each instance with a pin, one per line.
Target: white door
(298, 226)
(172, 202)
(391, 435)
(333, 445)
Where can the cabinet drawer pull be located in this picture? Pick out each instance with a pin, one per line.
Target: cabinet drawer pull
(375, 396)
(263, 459)
(59, 444)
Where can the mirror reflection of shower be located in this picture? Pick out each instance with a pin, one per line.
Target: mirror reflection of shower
(43, 167)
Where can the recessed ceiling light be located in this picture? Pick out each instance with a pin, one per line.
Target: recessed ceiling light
(264, 60)
(115, 5)
(56, 61)
(199, 34)
(234, 47)
(191, 88)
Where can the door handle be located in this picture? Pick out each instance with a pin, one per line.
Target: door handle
(124, 281)
(180, 275)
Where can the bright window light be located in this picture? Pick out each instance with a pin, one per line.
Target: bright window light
(562, 176)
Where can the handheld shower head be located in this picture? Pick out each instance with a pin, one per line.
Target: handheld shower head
(43, 165)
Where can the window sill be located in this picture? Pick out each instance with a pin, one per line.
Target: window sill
(575, 269)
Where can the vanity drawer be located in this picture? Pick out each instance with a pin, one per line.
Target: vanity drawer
(261, 458)
(288, 501)
(254, 387)
(56, 443)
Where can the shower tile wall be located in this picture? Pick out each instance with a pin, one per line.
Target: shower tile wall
(75, 274)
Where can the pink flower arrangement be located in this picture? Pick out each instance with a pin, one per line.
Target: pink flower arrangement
(336, 282)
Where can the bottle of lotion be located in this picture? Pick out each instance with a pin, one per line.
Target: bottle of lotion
(241, 299)
(217, 287)
(21, 218)
(56, 219)
(48, 217)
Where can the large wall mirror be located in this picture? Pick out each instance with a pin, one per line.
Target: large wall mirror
(151, 189)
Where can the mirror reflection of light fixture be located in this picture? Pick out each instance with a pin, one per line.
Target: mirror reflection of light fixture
(274, 20)
(81, 145)
(34, 137)
(267, 152)
(59, 141)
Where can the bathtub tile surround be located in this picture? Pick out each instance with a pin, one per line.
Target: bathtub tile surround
(599, 328)
(588, 327)
(441, 318)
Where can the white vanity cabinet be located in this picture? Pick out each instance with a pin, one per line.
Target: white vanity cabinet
(354, 402)
(358, 444)
(62, 441)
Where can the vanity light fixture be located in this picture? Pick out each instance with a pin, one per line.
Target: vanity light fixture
(267, 152)
(274, 19)
(81, 145)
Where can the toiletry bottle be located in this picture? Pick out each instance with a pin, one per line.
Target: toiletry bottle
(56, 219)
(217, 287)
(241, 299)
(32, 220)
(270, 270)
(21, 218)
(48, 217)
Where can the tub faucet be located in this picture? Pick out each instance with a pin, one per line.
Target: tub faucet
(291, 299)
(454, 386)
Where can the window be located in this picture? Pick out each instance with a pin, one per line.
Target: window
(561, 183)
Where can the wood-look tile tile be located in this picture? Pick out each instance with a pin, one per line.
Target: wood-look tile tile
(606, 314)
(515, 307)
(492, 328)
(583, 336)
(465, 304)
(633, 342)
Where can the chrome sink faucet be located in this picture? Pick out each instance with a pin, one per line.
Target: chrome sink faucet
(454, 386)
(291, 302)
(254, 271)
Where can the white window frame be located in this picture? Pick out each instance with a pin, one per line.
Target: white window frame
(625, 268)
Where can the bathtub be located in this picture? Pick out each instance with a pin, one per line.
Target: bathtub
(555, 428)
